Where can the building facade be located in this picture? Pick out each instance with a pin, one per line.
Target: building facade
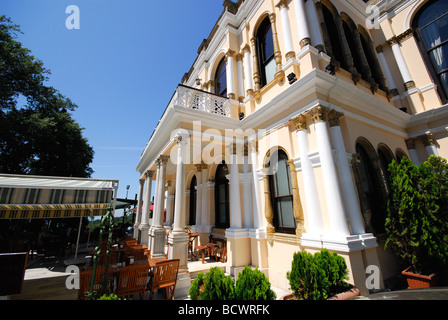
(279, 137)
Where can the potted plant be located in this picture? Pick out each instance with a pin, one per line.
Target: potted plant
(417, 219)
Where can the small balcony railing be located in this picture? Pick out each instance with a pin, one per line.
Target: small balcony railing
(191, 98)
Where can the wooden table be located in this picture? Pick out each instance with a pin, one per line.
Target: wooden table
(153, 261)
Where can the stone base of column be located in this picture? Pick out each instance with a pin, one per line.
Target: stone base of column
(143, 234)
(259, 248)
(157, 236)
(238, 250)
(178, 249)
(348, 243)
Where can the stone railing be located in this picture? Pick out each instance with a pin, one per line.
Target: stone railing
(191, 98)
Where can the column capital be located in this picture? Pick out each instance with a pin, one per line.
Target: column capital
(204, 166)
(162, 160)
(410, 143)
(428, 139)
(181, 139)
(149, 173)
(282, 4)
(246, 48)
(230, 53)
(198, 167)
(334, 117)
(299, 122)
(253, 145)
(318, 113)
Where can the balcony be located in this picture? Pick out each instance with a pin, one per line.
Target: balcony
(191, 98)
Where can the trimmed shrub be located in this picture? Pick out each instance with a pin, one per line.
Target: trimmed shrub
(215, 285)
(253, 285)
(318, 276)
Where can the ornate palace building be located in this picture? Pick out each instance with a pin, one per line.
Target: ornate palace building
(279, 136)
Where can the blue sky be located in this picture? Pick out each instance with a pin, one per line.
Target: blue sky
(120, 67)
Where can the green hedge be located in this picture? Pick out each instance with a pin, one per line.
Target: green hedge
(215, 285)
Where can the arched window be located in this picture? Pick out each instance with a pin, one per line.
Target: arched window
(220, 79)
(333, 47)
(372, 186)
(222, 204)
(431, 30)
(386, 156)
(281, 194)
(193, 201)
(265, 52)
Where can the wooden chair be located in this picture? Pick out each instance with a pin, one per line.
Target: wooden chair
(85, 278)
(165, 276)
(132, 280)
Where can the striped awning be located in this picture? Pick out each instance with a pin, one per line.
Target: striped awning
(28, 197)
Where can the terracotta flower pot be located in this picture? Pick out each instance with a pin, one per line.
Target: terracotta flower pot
(351, 293)
(416, 281)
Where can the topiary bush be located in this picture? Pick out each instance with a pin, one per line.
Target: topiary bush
(318, 276)
(253, 285)
(215, 285)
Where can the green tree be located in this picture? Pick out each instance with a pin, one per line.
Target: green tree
(417, 216)
(37, 132)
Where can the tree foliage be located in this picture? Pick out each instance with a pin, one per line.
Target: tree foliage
(417, 214)
(37, 132)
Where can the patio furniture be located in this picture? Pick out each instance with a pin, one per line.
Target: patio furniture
(165, 276)
(85, 279)
(192, 238)
(132, 280)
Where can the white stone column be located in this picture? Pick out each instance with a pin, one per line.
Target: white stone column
(402, 66)
(258, 215)
(248, 71)
(410, 144)
(199, 190)
(247, 196)
(333, 193)
(138, 215)
(389, 79)
(302, 23)
(204, 195)
(316, 35)
(345, 176)
(230, 75)
(160, 203)
(239, 67)
(169, 207)
(144, 225)
(178, 239)
(235, 203)
(286, 28)
(314, 212)
(157, 231)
